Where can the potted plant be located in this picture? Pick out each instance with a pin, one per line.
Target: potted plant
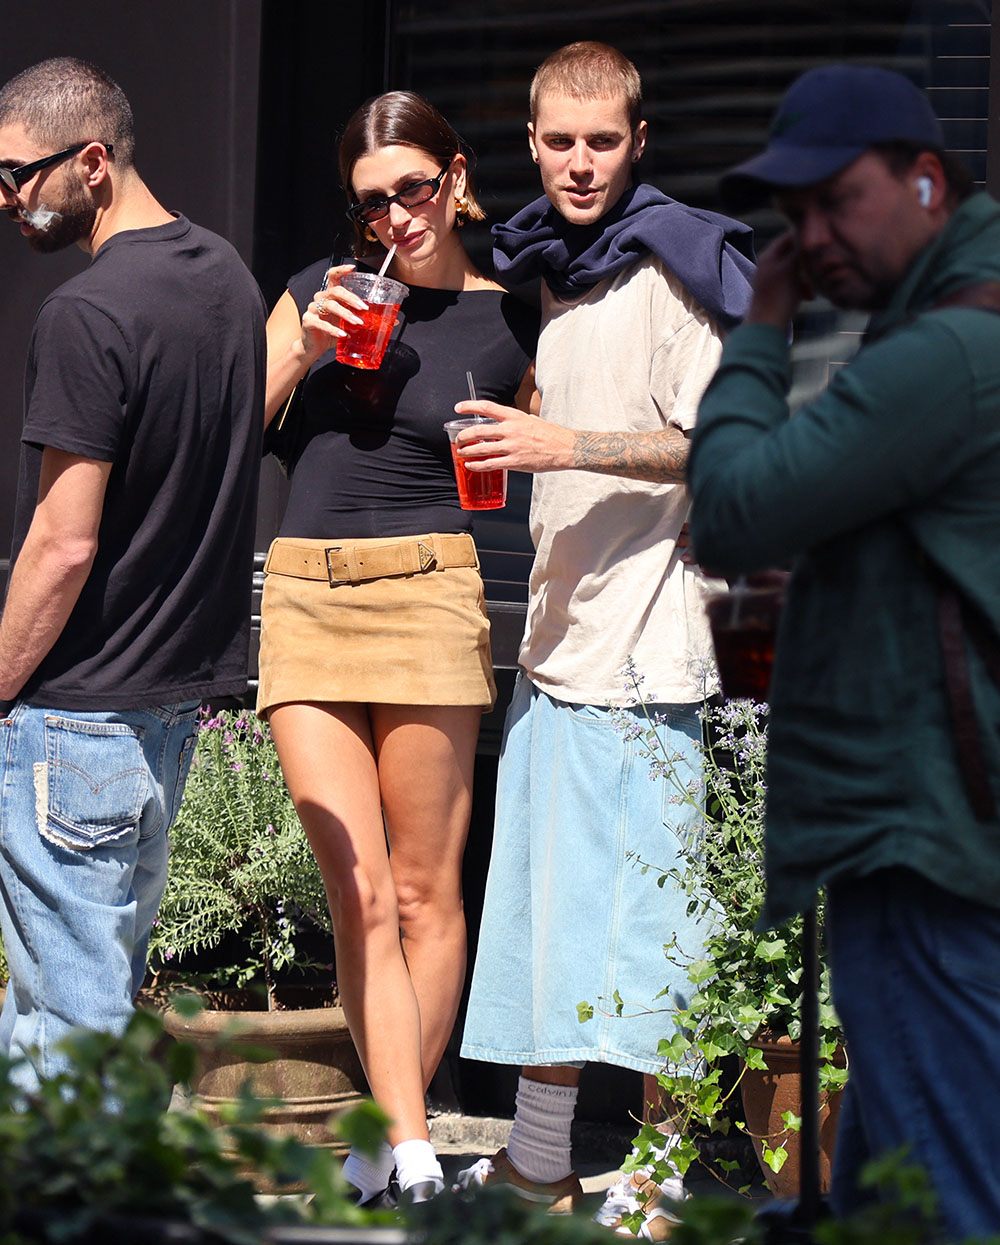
(90, 1154)
(244, 921)
(745, 987)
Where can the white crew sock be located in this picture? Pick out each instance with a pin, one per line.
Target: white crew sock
(369, 1173)
(539, 1145)
(415, 1162)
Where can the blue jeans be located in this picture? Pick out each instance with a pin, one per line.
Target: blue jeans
(916, 981)
(85, 804)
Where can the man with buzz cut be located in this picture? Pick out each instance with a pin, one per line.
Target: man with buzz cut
(637, 290)
(129, 594)
(884, 491)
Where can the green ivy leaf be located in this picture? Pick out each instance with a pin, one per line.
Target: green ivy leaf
(775, 1159)
(584, 1012)
(771, 950)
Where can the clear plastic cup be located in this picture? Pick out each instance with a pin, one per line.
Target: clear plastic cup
(365, 344)
(477, 490)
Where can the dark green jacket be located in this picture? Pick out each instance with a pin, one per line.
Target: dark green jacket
(897, 462)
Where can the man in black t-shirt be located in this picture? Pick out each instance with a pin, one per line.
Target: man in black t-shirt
(129, 595)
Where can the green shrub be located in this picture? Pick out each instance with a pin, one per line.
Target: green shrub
(240, 864)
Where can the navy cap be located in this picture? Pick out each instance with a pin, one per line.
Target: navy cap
(829, 117)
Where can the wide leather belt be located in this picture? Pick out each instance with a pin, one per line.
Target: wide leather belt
(354, 564)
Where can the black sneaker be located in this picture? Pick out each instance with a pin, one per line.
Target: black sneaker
(388, 1199)
(422, 1191)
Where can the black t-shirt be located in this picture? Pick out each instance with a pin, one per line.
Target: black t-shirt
(378, 462)
(153, 360)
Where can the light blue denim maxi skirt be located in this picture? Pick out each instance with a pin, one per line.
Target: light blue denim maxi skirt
(568, 916)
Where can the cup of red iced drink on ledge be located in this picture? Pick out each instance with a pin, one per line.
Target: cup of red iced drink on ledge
(364, 346)
(477, 490)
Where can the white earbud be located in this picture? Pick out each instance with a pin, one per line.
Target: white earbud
(925, 188)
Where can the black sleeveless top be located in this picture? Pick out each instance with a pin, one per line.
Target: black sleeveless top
(377, 461)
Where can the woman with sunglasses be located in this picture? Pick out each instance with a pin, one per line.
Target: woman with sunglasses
(375, 660)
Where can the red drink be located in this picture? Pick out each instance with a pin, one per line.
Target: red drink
(479, 490)
(744, 628)
(364, 346)
(745, 655)
(365, 343)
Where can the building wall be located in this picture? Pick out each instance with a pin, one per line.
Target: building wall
(190, 71)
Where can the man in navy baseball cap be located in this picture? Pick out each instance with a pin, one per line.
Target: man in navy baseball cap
(829, 117)
(883, 493)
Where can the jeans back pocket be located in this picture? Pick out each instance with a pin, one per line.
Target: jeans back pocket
(93, 785)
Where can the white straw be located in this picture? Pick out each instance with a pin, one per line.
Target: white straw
(388, 260)
(472, 386)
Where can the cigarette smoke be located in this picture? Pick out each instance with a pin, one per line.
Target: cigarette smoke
(42, 218)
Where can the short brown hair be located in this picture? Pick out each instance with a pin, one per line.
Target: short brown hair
(400, 119)
(589, 71)
(900, 157)
(63, 101)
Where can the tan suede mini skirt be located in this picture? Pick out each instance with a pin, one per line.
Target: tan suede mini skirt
(396, 621)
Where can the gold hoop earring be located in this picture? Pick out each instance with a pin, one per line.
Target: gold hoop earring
(370, 234)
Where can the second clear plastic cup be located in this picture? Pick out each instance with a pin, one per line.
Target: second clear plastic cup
(477, 490)
(365, 344)
(744, 624)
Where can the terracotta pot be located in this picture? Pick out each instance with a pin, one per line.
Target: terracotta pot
(315, 1070)
(767, 1094)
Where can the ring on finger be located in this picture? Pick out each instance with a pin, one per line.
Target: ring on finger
(320, 303)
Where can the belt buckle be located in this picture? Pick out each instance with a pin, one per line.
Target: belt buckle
(427, 556)
(329, 569)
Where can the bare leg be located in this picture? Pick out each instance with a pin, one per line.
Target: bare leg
(328, 758)
(426, 756)
(558, 1074)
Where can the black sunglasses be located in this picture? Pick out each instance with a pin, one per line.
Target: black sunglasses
(411, 196)
(15, 178)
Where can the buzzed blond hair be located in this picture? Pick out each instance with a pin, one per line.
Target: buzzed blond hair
(589, 71)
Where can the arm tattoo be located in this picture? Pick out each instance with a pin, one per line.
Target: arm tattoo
(657, 456)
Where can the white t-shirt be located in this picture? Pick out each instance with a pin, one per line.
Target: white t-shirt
(634, 354)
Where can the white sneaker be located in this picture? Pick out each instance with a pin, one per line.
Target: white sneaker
(473, 1177)
(636, 1192)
